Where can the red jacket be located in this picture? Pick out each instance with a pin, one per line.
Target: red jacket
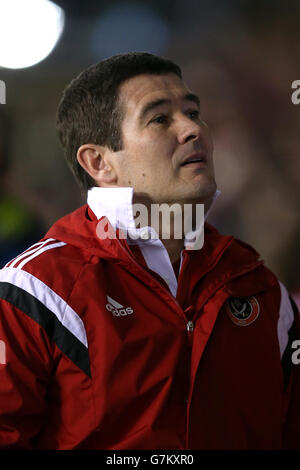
(100, 355)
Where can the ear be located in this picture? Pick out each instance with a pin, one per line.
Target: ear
(94, 160)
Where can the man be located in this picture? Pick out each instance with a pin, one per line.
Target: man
(136, 340)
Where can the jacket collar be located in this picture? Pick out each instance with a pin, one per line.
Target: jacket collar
(117, 205)
(79, 229)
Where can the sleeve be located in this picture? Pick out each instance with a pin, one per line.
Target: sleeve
(25, 368)
(291, 364)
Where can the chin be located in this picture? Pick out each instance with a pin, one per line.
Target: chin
(201, 192)
(209, 191)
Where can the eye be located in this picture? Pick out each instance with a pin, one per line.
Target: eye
(161, 119)
(194, 114)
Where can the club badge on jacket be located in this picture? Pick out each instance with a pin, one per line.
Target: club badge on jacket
(242, 310)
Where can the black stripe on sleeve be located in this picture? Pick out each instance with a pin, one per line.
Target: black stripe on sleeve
(286, 360)
(61, 336)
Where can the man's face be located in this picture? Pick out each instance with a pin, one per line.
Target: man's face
(161, 129)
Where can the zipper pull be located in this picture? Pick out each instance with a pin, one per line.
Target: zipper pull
(190, 326)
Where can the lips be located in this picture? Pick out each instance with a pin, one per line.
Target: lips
(195, 158)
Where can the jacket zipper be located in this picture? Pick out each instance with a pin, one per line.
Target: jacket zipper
(189, 324)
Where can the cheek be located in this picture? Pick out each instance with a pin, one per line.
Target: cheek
(151, 154)
(207, 136)
(159, 150)
(145, 153)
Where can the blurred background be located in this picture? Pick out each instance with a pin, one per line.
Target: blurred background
(240, 56)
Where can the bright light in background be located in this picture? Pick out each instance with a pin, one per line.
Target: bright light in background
(29, 30)
(129, 27)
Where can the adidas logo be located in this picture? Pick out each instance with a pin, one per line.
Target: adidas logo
(117, 309)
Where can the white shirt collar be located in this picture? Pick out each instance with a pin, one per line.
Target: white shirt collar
(116, 205)
(113, 203)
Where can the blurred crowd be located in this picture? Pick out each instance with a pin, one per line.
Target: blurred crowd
(20, 227)
(243, 74)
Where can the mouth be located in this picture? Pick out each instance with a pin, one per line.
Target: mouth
(196, 160)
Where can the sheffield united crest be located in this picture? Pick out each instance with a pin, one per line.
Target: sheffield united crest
(242, 310)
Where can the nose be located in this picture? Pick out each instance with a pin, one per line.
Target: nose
(188, 130)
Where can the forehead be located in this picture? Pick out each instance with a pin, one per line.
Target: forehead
(135, 92)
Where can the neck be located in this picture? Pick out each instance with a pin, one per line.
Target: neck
(170, 221)
(174, 248)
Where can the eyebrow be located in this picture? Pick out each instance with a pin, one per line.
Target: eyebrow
(156, 103)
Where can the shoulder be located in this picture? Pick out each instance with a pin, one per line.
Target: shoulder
(281, 302)
(49, 262)
(239, 253)
(36, 286)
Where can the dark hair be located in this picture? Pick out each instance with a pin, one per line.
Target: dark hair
(89, 111)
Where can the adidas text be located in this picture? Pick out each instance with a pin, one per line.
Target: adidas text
(119, 312)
